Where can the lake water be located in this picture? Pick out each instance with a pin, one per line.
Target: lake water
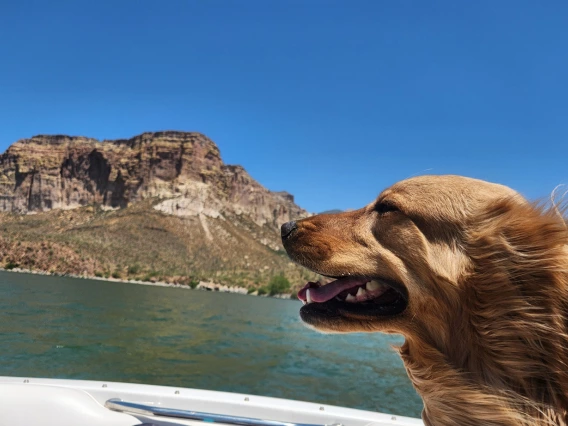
(83, 329)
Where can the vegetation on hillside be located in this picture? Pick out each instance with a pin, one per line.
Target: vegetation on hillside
(141, 243)
(278, 284)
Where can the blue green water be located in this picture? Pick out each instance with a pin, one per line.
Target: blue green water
(95, 330)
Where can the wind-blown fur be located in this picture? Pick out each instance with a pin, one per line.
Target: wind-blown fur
(507, 361)
(486, 326)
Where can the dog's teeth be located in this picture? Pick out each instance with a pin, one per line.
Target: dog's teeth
(308, 297)
(350, 298)
(373, 285)
(361, 292)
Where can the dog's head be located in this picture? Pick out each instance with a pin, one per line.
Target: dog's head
(394, 259)
(472, 274)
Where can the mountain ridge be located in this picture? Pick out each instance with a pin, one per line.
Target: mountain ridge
(103, 202)
(59, 171)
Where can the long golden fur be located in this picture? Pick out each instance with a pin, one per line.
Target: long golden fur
(486, 278)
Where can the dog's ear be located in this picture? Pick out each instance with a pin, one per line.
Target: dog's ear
(517, 297)
(519, 242)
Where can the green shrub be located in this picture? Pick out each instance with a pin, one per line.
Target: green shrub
(134, 269)
(194, 283)
(11, 265)
(152, 274)
(278, 284)
(116, 274)
(262, 291)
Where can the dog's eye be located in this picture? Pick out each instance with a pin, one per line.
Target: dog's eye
(385, 207)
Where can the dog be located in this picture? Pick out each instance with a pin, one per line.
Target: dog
(473, 276)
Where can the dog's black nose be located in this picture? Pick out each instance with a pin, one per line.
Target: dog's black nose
(287, 228)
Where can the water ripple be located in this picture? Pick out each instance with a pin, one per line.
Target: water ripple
(82, 329)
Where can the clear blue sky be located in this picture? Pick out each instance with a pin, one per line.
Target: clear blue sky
(329, 100)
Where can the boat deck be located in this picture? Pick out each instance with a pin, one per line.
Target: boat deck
(60, 402)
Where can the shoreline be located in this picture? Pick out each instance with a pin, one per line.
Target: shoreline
(202, 286)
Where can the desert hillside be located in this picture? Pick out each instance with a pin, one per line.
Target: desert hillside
(159, 206)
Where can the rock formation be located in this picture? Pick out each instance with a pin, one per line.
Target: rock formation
(182, 170)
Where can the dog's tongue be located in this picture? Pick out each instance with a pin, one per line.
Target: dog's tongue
(320, 294)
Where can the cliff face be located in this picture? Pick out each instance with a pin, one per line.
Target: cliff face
(183, 170)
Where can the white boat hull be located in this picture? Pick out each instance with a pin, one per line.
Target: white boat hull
(58, 402)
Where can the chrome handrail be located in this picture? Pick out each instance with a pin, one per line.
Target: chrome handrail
(117, 404)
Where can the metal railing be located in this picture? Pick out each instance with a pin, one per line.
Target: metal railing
(117, 404)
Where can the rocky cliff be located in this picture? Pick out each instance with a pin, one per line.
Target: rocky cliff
(159, 206)
(182, 169)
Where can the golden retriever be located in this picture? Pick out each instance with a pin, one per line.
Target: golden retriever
(471, 274)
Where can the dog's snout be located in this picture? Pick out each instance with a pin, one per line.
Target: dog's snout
(288, 228)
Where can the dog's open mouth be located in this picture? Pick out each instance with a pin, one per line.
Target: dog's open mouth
(353, 295)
